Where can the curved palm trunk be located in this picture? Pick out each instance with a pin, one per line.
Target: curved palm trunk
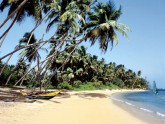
(5, 33)
(48, 58)
(32, 31)
(8, 79)
(22, 82)
(30, 46)
(5, 64)
(14, 51)
(32, 68)
(11, 74)
(66, 59)
(12, 14)
(3, 40)
(11, 25)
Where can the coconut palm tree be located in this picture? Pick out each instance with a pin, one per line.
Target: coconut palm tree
(19, 9)
(68, 15)
(31, 8)
(136, 79)
(103, 26)
(130, 75)
(31, 53)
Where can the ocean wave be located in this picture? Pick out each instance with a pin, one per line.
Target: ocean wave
(129, 104)
(147, 110)
(160, 114)
(116, 99)
(146, 102)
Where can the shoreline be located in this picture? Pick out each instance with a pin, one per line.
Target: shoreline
(144, 114)
(73, 107)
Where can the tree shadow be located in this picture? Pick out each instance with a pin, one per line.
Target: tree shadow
(63, 95)
(91, 95)
(13, 96)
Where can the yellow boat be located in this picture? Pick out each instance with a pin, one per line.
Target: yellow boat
(42, 95)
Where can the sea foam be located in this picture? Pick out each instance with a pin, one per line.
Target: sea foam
(116, 99)
(146, 110)
(160, 114)
(129, 104)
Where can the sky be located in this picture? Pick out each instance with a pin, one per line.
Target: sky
(143, 50)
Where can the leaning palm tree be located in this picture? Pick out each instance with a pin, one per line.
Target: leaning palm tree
(29, 8)
(103, 25)
(19, 9)
(68, 15)
(31, 53)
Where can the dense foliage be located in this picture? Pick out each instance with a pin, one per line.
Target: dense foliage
(66, 64)
(79, 71)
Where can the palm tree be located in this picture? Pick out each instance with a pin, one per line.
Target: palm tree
(68, 15)
(103, 26)
(30, 8)
(31, 53)
(130, 75)
(20, 70)
(19, 9)
(136, 79)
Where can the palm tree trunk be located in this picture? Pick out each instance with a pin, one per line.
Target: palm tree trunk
(11, 25)
(8, 79)
(14, 51)
(11, 73)
(3, 40)
(30, 46)
(38, 73)
(48, 58)
(31, 69)
(21, 82)
(5, 64)
(12, 14)
(32, 31)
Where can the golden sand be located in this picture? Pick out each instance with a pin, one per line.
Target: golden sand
(85, 107)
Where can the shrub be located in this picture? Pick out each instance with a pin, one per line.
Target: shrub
(113, 86)
(90, 86)
(77, 83)
(48, 85)
(118, 82)
(96, 84)
(65, 85)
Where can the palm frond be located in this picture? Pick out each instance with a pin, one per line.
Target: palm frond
(116, 14)
(4, 4)
(122, 28)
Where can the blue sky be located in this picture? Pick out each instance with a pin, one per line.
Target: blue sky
(143, 50)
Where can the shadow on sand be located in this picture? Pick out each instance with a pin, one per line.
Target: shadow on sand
(91, 95)
(14, 96)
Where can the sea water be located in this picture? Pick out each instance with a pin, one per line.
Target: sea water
(146, 101)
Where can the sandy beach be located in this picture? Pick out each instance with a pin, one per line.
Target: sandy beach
(85, 107)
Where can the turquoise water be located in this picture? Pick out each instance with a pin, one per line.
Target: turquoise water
(146, 101)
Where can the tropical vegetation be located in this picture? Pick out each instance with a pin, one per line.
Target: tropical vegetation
(80, 71)
(66, 65)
